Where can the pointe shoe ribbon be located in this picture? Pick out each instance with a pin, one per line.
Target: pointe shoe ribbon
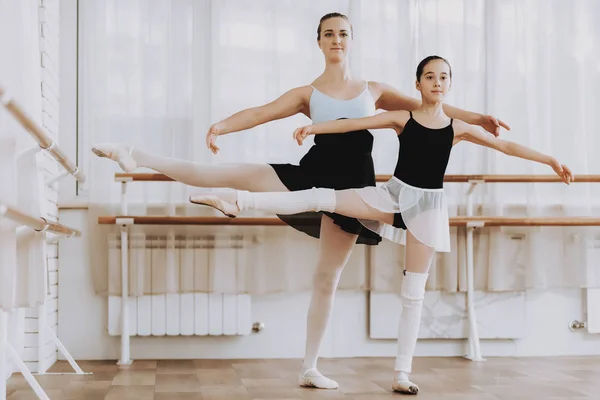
(117, 153)
(230, 210)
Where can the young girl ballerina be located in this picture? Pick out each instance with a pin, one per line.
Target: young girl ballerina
(411, 207)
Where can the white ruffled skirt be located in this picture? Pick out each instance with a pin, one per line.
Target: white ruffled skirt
(424, 211)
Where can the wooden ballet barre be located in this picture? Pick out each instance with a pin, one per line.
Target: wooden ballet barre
(183, 220)
(37, 223)
(525, 221)
(43, 140)
(141, 177)
(518, 178)
(154, 177)
(273, 221)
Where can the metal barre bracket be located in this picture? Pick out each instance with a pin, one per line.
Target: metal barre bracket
(124, 221)
(475, 224)
(51, 147)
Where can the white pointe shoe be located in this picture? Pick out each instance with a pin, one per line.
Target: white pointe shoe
(230, 210)
(314, 379)
(118, 153)
(403, 385)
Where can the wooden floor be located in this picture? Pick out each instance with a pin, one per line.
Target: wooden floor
(544, 378)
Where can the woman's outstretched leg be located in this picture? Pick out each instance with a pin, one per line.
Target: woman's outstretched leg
(253, 177)
(418, 258)
(335, 247)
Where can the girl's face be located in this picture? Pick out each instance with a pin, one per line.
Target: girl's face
(435, 81)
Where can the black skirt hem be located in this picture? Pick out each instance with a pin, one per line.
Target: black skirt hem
(294, 179)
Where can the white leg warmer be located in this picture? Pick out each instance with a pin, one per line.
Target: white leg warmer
(285, 203)
(412, 294)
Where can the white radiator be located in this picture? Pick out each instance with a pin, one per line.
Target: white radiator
(593, 291)
(183, 314)
(593, 310)
(181, 286)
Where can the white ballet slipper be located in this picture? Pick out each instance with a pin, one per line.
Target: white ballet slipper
(314, 379)
(116, 152)
(403, 385)
(229, 209)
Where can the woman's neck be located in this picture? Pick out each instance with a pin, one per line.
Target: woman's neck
(337, 73)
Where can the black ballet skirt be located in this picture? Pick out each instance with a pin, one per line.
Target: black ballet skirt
(335, 161)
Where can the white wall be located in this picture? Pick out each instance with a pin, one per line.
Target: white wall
(40, 351)
(83, 319)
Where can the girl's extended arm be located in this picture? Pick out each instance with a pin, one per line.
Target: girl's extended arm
(392, 119)
(472, 134)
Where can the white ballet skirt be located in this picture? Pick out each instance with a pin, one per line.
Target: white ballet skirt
(424, 211)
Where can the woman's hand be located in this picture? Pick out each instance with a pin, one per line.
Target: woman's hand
(211, 138)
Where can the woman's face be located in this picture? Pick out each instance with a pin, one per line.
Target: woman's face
(336, 39)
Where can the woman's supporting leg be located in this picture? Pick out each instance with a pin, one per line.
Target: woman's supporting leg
(335, 244)
(243, 176)
(335, 247)
(418, 258)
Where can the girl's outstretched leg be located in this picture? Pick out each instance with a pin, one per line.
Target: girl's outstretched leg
(345, 202)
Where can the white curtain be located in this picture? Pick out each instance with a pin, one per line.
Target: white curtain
(545, 75)
(158, 74)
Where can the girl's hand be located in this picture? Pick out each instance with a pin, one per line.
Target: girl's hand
(562, 170)
(302, 133)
